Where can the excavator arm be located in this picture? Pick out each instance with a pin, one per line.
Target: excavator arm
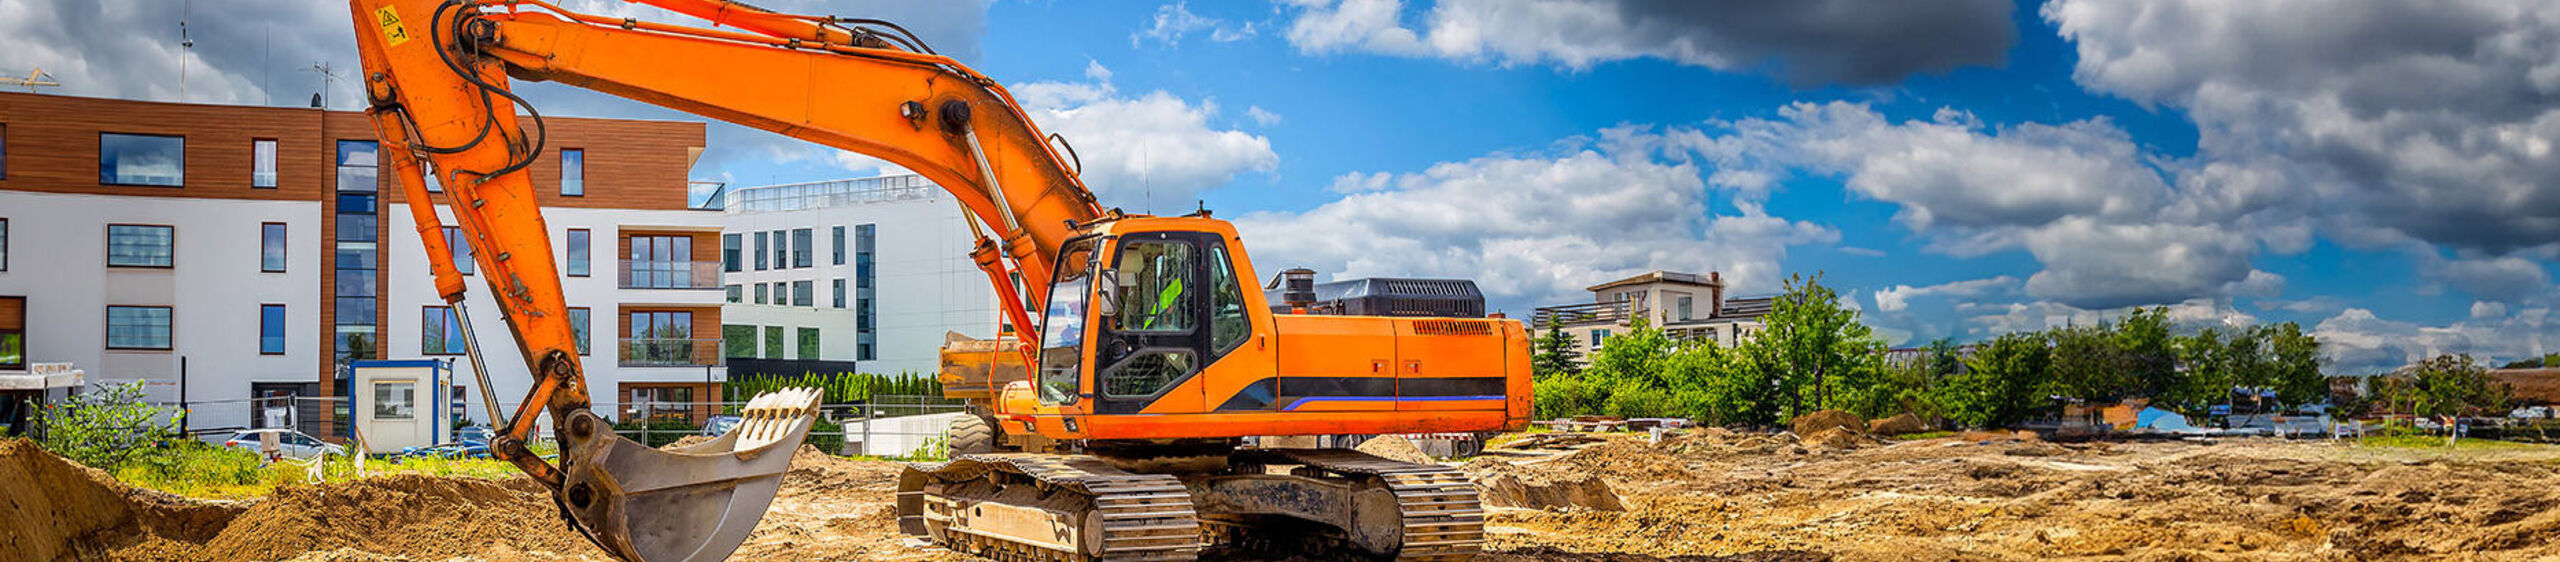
(438, 75)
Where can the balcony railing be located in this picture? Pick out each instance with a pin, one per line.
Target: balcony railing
(650, 274)
(1582, 314)
(671, 352)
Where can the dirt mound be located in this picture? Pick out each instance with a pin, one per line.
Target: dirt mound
(1839, 438)
(686, 441)
(1813, 423)
(817, 473)
(1395, 447)
(403, 515)
(60, 510)
(1626, 459)
(1904, 423)
(1503, 484)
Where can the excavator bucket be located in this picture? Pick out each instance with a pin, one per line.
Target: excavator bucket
(686, 504)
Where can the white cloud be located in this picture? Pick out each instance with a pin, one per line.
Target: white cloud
(1897, 298)
(2358, 341)
(2080, 197)
(1260, 116)
(1861, 251)
(1153, 151)
(1533, 229)
(1174, 21)
(2388, 121)
(1808, 41)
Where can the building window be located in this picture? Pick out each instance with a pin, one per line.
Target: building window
(137, 245)
(862, 243)
(428, 171)
(808, 344)
(781, 293)
(578, 330)
(839, 283)
(662, 338)
(1684, 308)
(157, 160)
(578, 239)
(4, 151)
(439, 333)
(862, 315)
(760, 251)
(460, 246)
(803, 292)
(773, 342)
(781, 251)
(138, 327)
(660, 262)
(736, 293)
(863, 352)
(803, 246)
(4, 244)
(1598, 336)
(271, 329)
(729, 253)
(740, 341)
(573, 172)
(271, 247)
(262, 164)
(395, 399)
(760, 293)
(357, 176)
(839, 240)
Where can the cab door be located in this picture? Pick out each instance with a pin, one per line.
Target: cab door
(1154, 338)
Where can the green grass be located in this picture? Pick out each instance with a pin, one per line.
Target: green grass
(2437, 442)
(1921, 436)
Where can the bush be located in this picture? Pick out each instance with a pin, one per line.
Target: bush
(1642, 401)
(105, 428)
(1568, 396)
(827, 436)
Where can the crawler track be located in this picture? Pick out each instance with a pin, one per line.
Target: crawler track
(1100, 513)
(1442, 516)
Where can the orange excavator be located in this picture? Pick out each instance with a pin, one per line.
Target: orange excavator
(1141, 412)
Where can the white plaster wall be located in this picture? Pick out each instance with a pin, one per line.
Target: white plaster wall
(926, 285)
(412, 288)
(57, 259)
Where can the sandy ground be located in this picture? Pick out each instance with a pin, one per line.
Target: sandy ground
(1711, 495)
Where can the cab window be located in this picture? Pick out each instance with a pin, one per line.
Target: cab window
(1228, 324)
(1156, 290)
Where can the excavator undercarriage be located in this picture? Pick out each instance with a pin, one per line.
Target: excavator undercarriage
(1087, 507)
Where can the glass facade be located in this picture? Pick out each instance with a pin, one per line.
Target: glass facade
(865, 237)
(354, 333)
(440, 333)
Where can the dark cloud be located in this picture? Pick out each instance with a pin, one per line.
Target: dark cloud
(1809, 42)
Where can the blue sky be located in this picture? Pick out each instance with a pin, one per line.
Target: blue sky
(2378, 172)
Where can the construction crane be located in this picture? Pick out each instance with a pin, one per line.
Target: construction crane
(1113, 425)
(35, 78)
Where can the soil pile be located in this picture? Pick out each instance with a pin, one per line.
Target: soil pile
(1816, 422)
(1395, 447)
(402, 515)
(1899, 424)
(55, 509)
(1540, 486)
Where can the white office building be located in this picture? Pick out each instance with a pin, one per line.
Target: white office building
(871, 271)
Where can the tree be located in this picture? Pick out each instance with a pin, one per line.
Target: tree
(2205, 379)
(2087, 364)
(1556, 353)
(105, 427)
(2294, 359)
(1817, 349)
(2451, 385)
(1632, 356)
(2000, 384)
(2145, 354)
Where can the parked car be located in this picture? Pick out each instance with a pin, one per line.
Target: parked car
(718, 425)
(289, 443)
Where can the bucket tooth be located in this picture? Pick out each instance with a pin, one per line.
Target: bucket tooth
(684, 504)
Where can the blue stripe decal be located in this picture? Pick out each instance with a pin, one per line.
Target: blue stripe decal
(1293, 405)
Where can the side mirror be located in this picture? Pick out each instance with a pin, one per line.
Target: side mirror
(1106, 298)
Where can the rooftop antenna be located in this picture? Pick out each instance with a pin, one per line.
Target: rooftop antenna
(36, 78)
(186, 45)
(328, 79)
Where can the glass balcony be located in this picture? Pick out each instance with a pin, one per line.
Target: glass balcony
(652, 274)
(670, 352)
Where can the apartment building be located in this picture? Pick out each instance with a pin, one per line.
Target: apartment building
(221, 253)
(864, 275)
(1685, 306)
